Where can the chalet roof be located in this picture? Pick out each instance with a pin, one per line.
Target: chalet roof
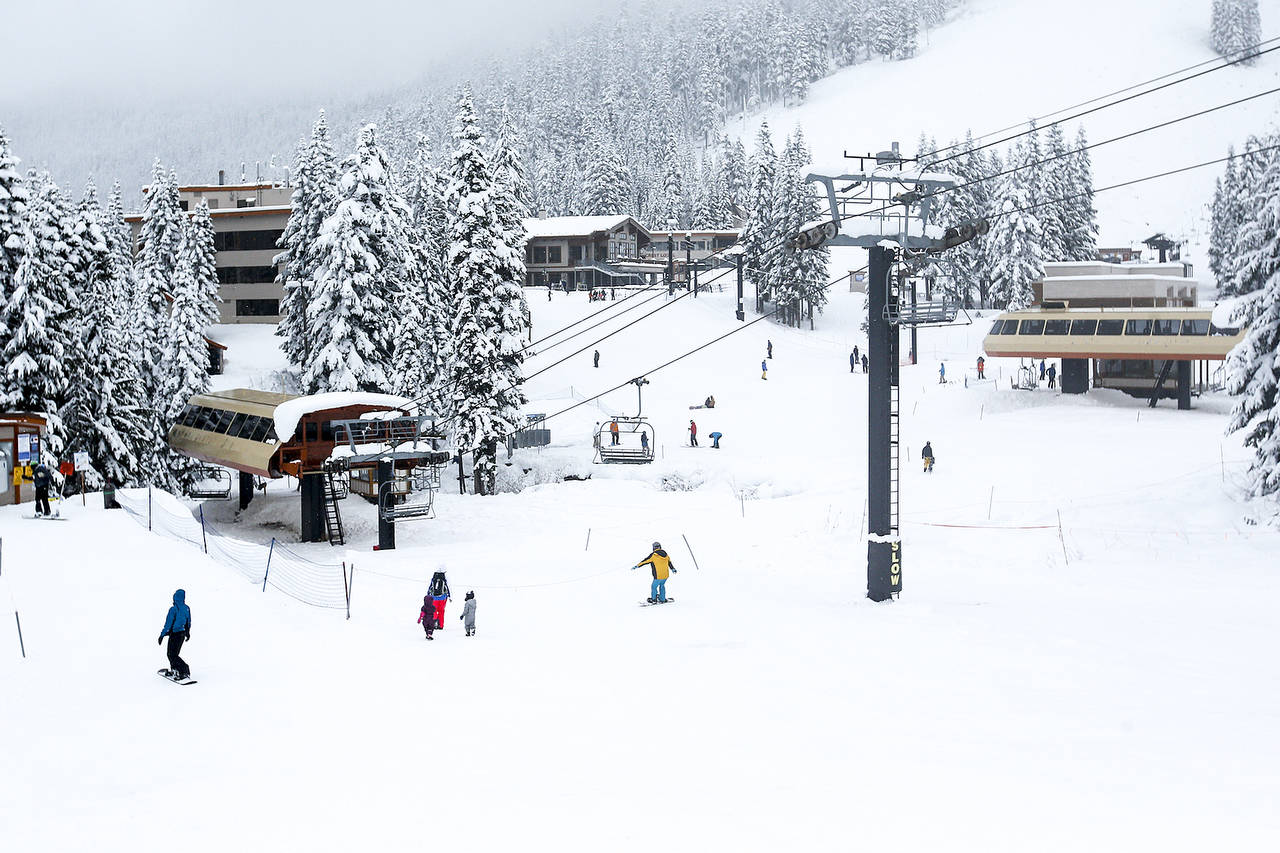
(578, 226)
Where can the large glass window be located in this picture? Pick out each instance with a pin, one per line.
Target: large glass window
(1111, 327)
(996, 327)
(224, 421)
(539, 254)
(1010, 327)
(1031, 327)
(246, 275)
(1166, 327)
(554, 255)
(208, 418)
(1057, 327)
(1084, 327)
(1137, 327)
(242, 241)
(257, 307)
(237, 422)
(1195, 327)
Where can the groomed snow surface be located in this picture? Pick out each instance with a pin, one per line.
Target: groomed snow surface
(1112, 689)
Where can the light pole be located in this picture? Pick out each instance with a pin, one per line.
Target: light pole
(671, 256)
(688, 263)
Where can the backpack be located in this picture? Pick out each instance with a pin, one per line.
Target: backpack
(439, 586)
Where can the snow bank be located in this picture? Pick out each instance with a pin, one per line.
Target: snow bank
(288, 414)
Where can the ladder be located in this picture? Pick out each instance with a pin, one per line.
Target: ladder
(1164, 374)
(332, 518)
(895, 452)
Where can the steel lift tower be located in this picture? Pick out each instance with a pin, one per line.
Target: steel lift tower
(885, 210)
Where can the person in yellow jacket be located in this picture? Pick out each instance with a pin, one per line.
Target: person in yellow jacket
(662, 567)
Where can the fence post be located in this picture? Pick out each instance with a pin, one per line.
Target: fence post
(991, 500)
(588, 545)
(1063, 541)
(148, 506)
(695, 559)
(21, 644)
(346, 590)
(270, 551)
(203, 537)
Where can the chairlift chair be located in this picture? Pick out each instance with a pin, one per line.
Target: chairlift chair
(628, 450)
(212, 483)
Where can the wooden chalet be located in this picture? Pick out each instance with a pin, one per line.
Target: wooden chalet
(585, 252)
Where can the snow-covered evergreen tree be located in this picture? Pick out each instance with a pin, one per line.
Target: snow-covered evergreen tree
(1235, 27)
(13, 208)
(510, 194)
(363, 258)
(314, 200)
(1249, 242)
(1056, 181)
(185, 366)
(38, 316)
(421, 358)
(1254, 365)
(1081, 216)
(800, 276)
(759, 241)
(1015, 242)
(605, 183)
(488, 326)
(673, 206)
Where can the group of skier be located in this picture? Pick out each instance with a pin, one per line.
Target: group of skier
(431, 617)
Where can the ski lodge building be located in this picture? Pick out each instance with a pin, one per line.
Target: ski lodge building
(248, 219)
(1123, 326)
(586, 252)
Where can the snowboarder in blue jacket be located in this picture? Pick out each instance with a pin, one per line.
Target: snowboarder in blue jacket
(177, 627)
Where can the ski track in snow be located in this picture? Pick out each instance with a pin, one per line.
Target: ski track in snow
(1119, 697)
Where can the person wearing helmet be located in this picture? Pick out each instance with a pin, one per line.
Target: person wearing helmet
(662, 567)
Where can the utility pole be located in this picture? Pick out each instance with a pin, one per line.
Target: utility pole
(741, 314)
(671, 257)
(884, 549)
(688, 265)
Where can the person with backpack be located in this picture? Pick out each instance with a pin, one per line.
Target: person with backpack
(427, 616)
(693, 434)
(662, 568)
(177, 627)
(42, 479)
(468, 616)
(927, 455)
(440, 595)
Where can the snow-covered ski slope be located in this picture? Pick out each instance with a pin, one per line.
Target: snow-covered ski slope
(999, 62)
(1112, 689)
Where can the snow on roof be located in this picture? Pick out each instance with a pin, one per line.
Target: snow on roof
(288, 414)
(572, 226)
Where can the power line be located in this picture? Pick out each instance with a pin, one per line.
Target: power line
(1098, 108)
(1122, 91)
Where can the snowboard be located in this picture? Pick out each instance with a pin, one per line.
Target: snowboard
(164, 673)
(45, 517)
(649, 602)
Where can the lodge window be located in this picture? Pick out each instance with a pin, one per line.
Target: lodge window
(1010, 328)
(237, 422)
(246, 275)
(257, 308)
(1166, 327)
(1057, 327)
(578, 253)
(1137, 327)
(1031, 327)
(1195, 327)
(539, 254)
(184, 204)
(242, 241)
(1084, 327)
(554, 255)
(1111, 327)
(246, 202)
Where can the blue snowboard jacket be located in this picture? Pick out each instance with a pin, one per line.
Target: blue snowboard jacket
(179, 619)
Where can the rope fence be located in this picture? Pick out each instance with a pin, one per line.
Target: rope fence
(312, 582)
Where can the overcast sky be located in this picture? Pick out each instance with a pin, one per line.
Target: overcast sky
(62, 49)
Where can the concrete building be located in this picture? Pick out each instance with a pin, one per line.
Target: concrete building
(248, 219)
(1097, 284)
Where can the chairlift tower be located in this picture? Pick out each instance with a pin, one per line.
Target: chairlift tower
(884, 208)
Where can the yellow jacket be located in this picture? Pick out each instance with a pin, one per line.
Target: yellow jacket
(660, 564)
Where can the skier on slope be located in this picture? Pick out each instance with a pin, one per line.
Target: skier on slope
(469, 613)
(764, 370)
(662, 568)
(177, 627)
(427, 616)
(927, 455)
(693, 434)
(42, 479)
(440, 595)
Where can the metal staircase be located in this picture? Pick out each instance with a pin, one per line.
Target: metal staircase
(332, 517)
(1164, 374)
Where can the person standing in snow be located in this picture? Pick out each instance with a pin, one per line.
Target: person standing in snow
(440, 595)
(853, 360)
(662, 568)
(981, 366)
(468, 616)
(769, 350)
(42, 479)
(1042, 370)
(1053, 376)
(927, 455)
(693, 434)
(595, 359)
(864, 363)
(427, 616)
(177, 627)
(764, 370)
(942, 373)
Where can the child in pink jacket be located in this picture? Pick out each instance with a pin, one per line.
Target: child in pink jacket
(427, 618)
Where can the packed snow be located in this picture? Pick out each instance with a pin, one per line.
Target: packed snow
(1080, 659)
